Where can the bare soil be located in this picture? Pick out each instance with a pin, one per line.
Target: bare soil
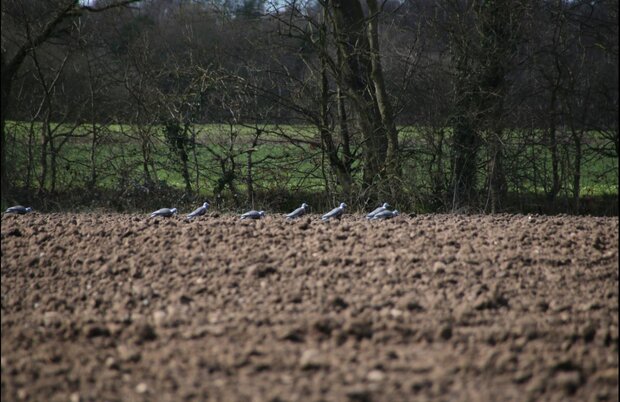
(109, 307)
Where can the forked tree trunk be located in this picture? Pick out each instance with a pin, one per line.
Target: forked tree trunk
(356, 70)
(392, 158)
(328, 145)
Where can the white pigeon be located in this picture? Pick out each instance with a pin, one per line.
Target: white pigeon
(18, 209)
(199, 211)
(253, 215)
(335, 213)
(298, 212)
(165, 212)
(385, 215)
(382, 208)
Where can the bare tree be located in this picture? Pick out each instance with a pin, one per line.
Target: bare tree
(29, 35)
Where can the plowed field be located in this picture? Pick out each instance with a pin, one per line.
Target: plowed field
(109, 307)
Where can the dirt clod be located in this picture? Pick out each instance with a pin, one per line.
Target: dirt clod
(312, 359)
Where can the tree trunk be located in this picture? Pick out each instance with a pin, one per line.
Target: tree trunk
(552, 146)
(231, 180)
(465, 138)
(436, 168)
(465, 159)
(577, 172)
(53, 165)
(184, 160)
(44, 165)
(92, 181)
(336, 164)
(355, 70)
(497, 177)
(195, 155)
(31, 159)
(5, 90)
(250, 180)
(148, 181)
(345, 136)
(392, 159)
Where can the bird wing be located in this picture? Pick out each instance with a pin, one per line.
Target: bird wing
(383, 215)
(197, 212)
(332, 214)
(298, 212)
(17, 209)
(249, 214)
(375, 212)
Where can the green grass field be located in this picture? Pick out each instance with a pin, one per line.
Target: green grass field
(121, 153)
(124, 153)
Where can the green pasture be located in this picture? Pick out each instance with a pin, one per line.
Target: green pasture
(527, 165)
(122, 151)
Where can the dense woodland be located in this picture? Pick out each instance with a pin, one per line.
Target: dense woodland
(451, 105)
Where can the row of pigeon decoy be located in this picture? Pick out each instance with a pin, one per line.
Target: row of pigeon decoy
(383, 212)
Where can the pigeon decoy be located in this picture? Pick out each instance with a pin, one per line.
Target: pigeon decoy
(382, 208)
(18, 209)
(335, 213)
(253, 215)
(385, 215)
(165, 212)
(199, 211)
(298, 212)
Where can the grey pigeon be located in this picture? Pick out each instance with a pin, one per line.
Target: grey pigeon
(253, 215)
(298, 212)
(18, 209)
(165, 212)
(199, 211)
(335, 213)
(385, 215)
(382, 208)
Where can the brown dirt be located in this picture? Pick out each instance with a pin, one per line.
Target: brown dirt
(100, 307)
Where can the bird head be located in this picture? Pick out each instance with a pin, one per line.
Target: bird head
(206, 205)
(173, 210)
(395, 212)
(261, 213)
(386, 205)
(304, 205)
(28, 209)
(343, 205)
